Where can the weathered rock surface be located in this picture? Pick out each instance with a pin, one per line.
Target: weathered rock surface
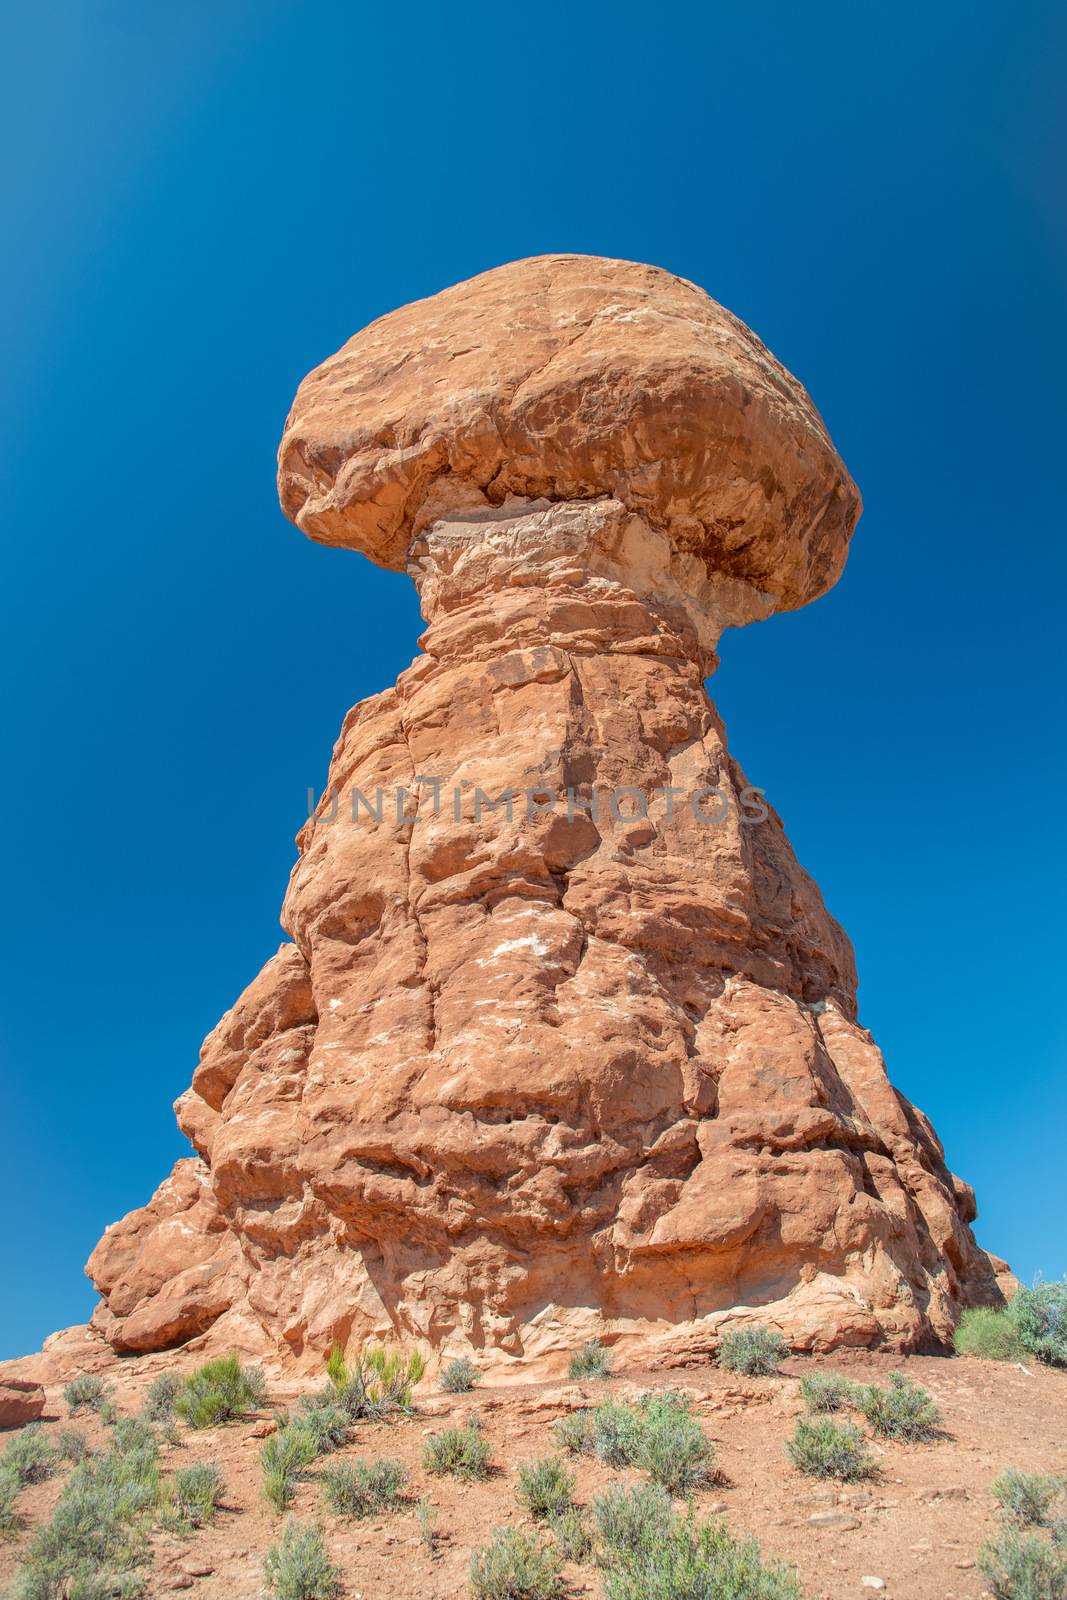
(587, 1066)
(21, 1401)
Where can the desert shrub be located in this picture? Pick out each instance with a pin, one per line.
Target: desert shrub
(10, 1488)
(134, 1436)
(462, 1452)
(572, 1533)
(1023, 1566)
(756, 1352)
(363, 1489)
(85, 1393)
(904, 1410)
(671, 1446)
(613, 1433)
(328, 1425)
(459, 1377)
(1040, 1315)
(198, 1492)
(515, 1566)
(628, 1519)
(426, 1517)
(219, 1391)
(29, 1455)
(298, 1567)
(375, 1383)
(990, 1335)
(70, 1445)
(591, 1361)
(826, 1449)
(98, 1532)
(284, 1459)
(160, 1397)
(688, 1562)
(1028, 1497)
(546, 1488)
(575, 1433)
(827, 1391)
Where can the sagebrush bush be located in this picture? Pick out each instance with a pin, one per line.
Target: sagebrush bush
(756, 1352)
(591, 1361)
(1040, 1315)
(546, 1487)
(460, 1451)
(132, 1435)
(298, 1567)
(629, 1518)
(328, 1425)
(571, 1531)
(825, 1449)
(426, 1517)
(364, 1489)
(284, 1459)
(70, 1445)
(827, 1391)
(160, 1396)
(459, 1377)
(903, 1410)
(1028, 1497)
(671, 1446)
(575, 1432)
(1023, 1566)
(10, 1489)
(97, 1534)
(374, 1383)
(690, 1562)
(990, 1335)
(86, 1393)
(219, 1391)
(515, 1566)
(29, 1455)
(198, 1492)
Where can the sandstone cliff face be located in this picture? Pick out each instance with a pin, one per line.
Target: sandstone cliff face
(588, 1062)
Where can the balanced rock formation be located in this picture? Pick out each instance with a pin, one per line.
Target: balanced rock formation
(565, 1041)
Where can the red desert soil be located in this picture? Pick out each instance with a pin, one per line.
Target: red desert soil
(917, 1527)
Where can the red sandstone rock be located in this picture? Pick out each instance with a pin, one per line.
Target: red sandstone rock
(21, 1401)
(521, 1079)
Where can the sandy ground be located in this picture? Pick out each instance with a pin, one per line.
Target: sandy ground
(917, 1527)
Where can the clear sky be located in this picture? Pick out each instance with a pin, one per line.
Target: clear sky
(205, 200)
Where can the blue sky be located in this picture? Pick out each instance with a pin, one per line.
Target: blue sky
(204, 201)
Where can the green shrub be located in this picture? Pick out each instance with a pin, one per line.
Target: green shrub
(29, 1455)
(546, 1488)
(613, 1433)
(591, 1361)
(98, 1532)
(572, 1533)
(160, 1397)
(630, 1519)
(284, 1459)
(671, 1446)
(10, 1489)
(86, 1393)
(575, 1433)
(515, 1566)
(698, 1563)
(757, 1352)
(298, 1567)
(426, 1517)
(1023, 1566)
(1040, 1315)
(990, 1335)
(328, 1425)
(827, 1391)
(904, 1410)
(825, 1449)
(459, 1377)
(70, 1445)
(377, 1382)
(133, 1436)
(460, 1451)
(363, 1489)
(219, 1391)
(198, 1493)
(1028, 1497)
